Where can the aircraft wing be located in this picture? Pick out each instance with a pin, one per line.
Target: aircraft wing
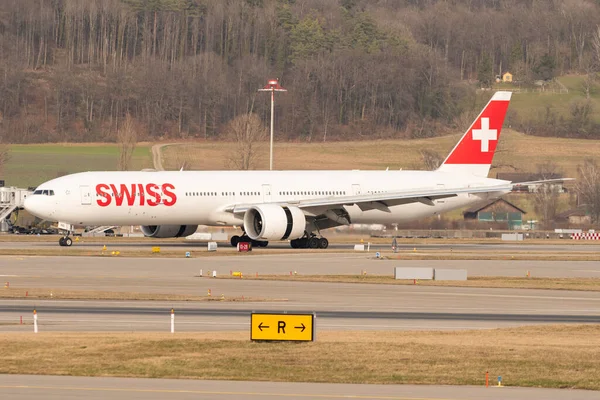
(381, 201)
(542, 182)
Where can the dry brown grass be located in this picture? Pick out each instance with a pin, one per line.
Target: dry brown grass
(47, 294)
(558, 356)
(581, 284)
(518, 150)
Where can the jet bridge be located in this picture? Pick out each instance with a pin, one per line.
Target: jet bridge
(11, 199)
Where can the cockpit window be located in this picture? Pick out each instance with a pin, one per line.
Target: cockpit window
(44, 192)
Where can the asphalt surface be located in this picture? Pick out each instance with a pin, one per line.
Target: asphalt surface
(23, 267)
(21, 387)
(337, 306)
(340, 306)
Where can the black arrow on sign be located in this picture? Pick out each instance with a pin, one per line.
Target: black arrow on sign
(261, 326)
(302, 327)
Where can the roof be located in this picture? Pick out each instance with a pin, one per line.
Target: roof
(517, 177)
(480, 207)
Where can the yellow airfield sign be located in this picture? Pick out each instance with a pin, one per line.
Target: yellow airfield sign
(284, 327)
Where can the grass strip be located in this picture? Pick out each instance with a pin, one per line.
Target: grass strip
(581, 284)
(197, 253)
(61, 294)
(559, 356)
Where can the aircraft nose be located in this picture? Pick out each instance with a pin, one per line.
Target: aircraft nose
(35, 205)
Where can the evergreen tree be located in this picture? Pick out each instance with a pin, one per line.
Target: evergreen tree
(484, 71)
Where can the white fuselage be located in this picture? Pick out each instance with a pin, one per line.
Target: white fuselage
(202, 197)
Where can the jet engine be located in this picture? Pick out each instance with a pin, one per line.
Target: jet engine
(274, 222)
(168, 231)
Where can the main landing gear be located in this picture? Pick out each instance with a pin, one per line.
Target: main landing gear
(245, 239)
(311, 242)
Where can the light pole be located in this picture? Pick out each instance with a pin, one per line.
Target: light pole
(272, 86)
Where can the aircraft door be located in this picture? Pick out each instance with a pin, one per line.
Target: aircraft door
(355, 189)
(266, 189)
(86, 197)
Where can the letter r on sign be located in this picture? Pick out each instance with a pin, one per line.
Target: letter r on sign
(281, 327)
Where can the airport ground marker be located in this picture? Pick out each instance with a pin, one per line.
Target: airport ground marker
(172, 320)
(35, 322)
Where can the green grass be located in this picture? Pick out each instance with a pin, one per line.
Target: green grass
(533, 105)
(31, 165)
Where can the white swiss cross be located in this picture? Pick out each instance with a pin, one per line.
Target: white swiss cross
(485, 134)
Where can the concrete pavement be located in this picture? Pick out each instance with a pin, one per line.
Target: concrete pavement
(27, 387)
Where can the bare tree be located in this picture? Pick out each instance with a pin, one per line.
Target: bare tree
(4, 156)
(127, 140)
(546, 195)
(247, 131)
(588, 187)
(431, 159)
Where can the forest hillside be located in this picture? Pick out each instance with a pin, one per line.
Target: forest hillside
(72, 70)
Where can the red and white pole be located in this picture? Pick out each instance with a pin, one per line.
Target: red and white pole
(172, 320)
(272, 121)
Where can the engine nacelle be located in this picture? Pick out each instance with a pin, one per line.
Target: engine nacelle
(273, 222)
(168, 231)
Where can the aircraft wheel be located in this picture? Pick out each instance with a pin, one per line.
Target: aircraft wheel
(263, 243)
(234, 240)
(294, 243)
(313, 243)
(68, 241)
(323, 243)
(61, 241)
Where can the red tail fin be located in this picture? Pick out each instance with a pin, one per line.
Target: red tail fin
(474, 152)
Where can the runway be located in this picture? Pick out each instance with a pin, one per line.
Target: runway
(129, 316)
(338, 307)
(26, 387)
(60, 267)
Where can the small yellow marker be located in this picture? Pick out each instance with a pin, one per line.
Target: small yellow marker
(104, 248)
(77, 238)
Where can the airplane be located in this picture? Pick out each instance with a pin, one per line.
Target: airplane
(277, 205)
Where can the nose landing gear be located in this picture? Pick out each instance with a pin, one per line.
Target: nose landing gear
(65, 241)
